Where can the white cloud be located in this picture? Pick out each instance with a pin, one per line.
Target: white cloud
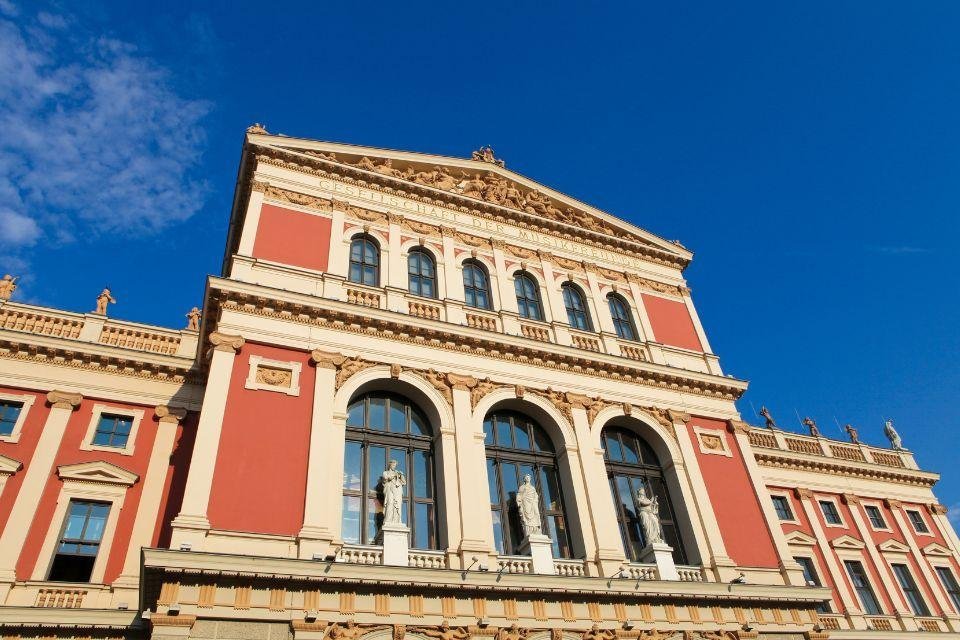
(953, 514)
(96, 137)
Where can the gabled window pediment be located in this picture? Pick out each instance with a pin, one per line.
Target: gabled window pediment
(936, 550)
(801, 538)
(97, 471)
(893, 546)
(9, 466)
(847, 542)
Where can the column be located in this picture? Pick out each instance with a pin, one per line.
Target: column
(251, 220)
(608, 333)
(452, 277)
(154, 480)
(191, 524)
(792, 573)
(393, 268)
(508, 296)
(338, 260)
(322, 506)
(62, 405)
(554, 300)
(837, 575)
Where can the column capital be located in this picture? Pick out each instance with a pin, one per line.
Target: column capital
(167, 413)
(679, 417)
(460, 382)
(890, 503)
(850, 499)
(803, 493)
(327, 359)
(937, 509)
(64, 399)
(226, 341)
(580, 401)
(738, 427)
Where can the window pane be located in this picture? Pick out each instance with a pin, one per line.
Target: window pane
(541, 439)
(75, 521)
(372, 254)
(355, 273)
(376, 464)
(355, 414)
(421, 526)
(95, 525)
(631, 453)
(488, 430)
(370, 275)
(497, 532)
(510, 480)
(398, 417)
(503, 432)
(352, 470)
(549, 489)
(492, 482)
(418, 426)
(377, 413)
(613, 447)
(421, 477)
(521, 437)
(480, 300)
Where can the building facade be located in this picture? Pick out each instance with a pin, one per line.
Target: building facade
(430, 397)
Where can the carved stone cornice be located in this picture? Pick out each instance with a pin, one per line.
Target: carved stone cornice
(837, 467)
(937, 509)
(679, 417)
(482, 388)
(166, 413)
(803, 494)
(891, 504)
(559, 400)
(850, 499)
(461, 383)
(738, 427)
(64, 400)
(327, 359)
(653, 285)
(179, 620)
(226, 342)
(350, 366)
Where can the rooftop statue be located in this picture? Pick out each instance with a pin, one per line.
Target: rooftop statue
(485, 154)
(103, 300)
(852, 432)
(193, 319)
(896, 442)
(811, 424)
(528, 502)
(8, 284)
(765, 414)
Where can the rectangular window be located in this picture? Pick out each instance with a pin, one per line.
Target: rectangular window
(950, 584)
(830, 513)
(79, 542)
(858, 576)
(876, 517)
(811, 578)
(112, 431)
(9, 414)
(781, 504)
(916, 519)
(909, 587)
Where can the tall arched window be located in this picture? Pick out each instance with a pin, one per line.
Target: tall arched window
(577, 313)
(476, 285)
(364, 261)
(528, 296)
(517, 446)
(622, 319)
(632, 464)
(382, 427)
(422, 273)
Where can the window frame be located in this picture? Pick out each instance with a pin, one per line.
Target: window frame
(913, 522)
(867, 506)
(100, 410)
(952, 588)
(363, 262)
(25, 401)
(808, 564)
(620, 322)
(902, 572)
(789, 505)
(524, 302)
(573, 295)
(419, 277)
(474, 264)
(868, 585)
(63, 530)
(841, 523)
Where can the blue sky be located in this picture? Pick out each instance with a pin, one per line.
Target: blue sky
(807, 152)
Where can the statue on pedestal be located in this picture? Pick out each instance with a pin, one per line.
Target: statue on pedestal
(649, 510)
(896, 442)
(528, 502)
(811, 424)
(393, 482)
(103, 300)
(766, 415)
(852, 432)
(7, 286)
(193, 319)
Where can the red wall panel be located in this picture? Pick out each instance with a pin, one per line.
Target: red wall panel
(260, 478)
(21, 450)
(739, 516)
(671, 322)
(292, 237)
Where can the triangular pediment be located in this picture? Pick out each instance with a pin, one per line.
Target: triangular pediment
(893, 546)
(801, 538)
(9, 466)
(481, 179)
(97, 471)
(937, 550)
(847, 542)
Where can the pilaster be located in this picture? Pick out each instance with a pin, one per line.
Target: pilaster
(933, 581)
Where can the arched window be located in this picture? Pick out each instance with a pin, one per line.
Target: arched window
(517, 446)
(382, 427)
(632, 464)
(476, 285)
(364, 261)
(422, 273)
(622, 320)
(528, 296)
(577, 313)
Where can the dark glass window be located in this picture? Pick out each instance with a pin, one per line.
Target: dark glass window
(422, 273)
(622, 319)
(517, 446)
(112, 431)
(9, 414)
(476, 285)
(632, 464)
(858, 577)
(382, 427)
(781, 504)
(910, 589)
(919, 524)
(950, 584)
(830, 513)
(875, 516)
(528, 296)
(79, 541)
(812, 579)
(364, 261)
(577, 313)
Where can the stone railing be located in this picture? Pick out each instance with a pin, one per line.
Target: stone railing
(588, 343)
(423, 310)
(765, 438)
(571, 568)
(803, 446)
(515, 564)
(360, 554)
(691, 574)
(831, 623)
(880, 624)
(423, 559)
(482, 321)
(637, 571)
(97, 329)
(634, 352)
(847, 453)
(363, 298)
(929, 624)
(60, 598)
(535, 332)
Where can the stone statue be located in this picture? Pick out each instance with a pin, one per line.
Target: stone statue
(474, 187)
(386, 168)
(443, 632)
(393, 482)
(485, 154)
(852, 432)
(811, 424)
(596, 633)
(366, 164)
(193, 319)
(649, 509)
(896, 442)
(528, 502)
(7, 286)
(348, 630)
(103, 300)
(765, 414)
(513, 632)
